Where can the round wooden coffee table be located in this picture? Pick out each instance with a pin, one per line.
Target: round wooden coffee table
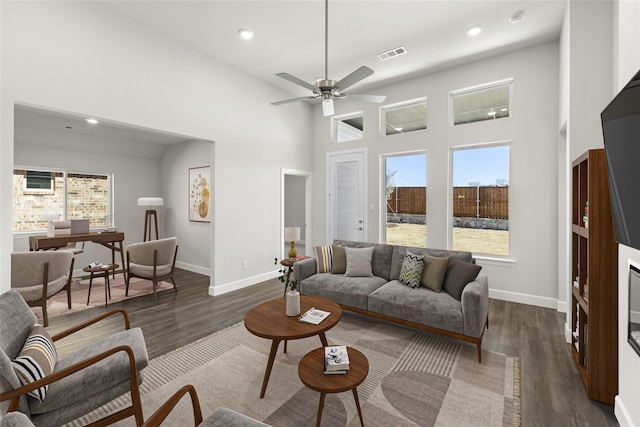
(269, 320)
(311, 373)
(102, 271)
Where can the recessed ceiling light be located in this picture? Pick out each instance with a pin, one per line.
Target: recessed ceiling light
(475, 30)
(92, 121)
(245, 34)
(516, 17)
(503, 109)
(491, 113)
(398, 129)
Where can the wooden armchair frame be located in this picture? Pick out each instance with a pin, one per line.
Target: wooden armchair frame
(165, 409)
(134, 409)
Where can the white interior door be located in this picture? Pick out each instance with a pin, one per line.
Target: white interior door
(347, 196)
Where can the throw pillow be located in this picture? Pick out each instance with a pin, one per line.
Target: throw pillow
(339, 265)
(358, 262)
(434, 270)
(36, 360)
(459, 274)
(411, 271)
(324, 258)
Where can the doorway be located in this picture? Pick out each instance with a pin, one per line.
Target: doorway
(347, 196)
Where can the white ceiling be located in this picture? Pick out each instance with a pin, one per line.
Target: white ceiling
(289, 37)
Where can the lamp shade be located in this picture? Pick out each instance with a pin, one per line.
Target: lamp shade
(150, 201)
(291, 234)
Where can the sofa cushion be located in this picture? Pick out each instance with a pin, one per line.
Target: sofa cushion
(358, 262)
(339, 264)
(434, 270)
(324, 258)
(412, 268)
(421, 305)
(381, 260)
(459, 274)
(398, 253)
(349, 291)
(36, 360)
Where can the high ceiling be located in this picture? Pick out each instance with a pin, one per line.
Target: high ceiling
(289, 37)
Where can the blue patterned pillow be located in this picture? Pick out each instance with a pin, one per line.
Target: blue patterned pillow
(411, 272)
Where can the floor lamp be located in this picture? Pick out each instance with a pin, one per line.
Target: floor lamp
(150, 214)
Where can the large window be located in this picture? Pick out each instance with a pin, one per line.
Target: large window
(487, 102)
(404, 117)
(480, 195)
(70, 195)
(405, 193)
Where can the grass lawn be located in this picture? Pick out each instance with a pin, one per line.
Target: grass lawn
(495, 242)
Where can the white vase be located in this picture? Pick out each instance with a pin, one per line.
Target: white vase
(293, 303)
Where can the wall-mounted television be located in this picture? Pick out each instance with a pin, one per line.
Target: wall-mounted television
(621, 130)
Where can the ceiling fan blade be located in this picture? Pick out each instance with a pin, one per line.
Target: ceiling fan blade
(294, 79)
(353, 78)
(366, 98)
(286, 101)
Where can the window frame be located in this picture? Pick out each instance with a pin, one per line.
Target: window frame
(65, 196)
(452, 149)
(398, 105)
(478, 88)
(341, 118)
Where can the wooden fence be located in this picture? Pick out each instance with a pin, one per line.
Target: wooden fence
(468, 202)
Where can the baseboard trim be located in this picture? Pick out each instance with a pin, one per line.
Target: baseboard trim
(562, 307)
(621, 413)
(193, 268)
(239, 284)
(524, 298)
(567, 333)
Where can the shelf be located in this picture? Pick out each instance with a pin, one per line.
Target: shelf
(584, 304)
(582, 231)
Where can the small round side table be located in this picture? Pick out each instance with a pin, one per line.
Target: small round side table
(102, 271)
(311, 373)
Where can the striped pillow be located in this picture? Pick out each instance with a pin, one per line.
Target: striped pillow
(324, 258)
(36, 360)
(411, 272)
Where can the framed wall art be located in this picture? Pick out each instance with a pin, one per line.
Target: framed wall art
(200, 194)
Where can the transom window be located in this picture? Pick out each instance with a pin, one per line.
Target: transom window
(70, 195)
(408, 116)
(487, 102)
(349, 127)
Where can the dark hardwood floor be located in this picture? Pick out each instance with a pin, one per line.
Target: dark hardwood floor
(551, 387)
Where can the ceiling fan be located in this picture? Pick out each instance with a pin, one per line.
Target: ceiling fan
(327, 89)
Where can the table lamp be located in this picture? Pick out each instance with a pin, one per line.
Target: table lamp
(49, 216)
(150, 214)
(291, 234)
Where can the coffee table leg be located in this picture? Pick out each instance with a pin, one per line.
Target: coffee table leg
(267, 373)
(89, 293)
(320, 407)
(323, 339)
(355, 396)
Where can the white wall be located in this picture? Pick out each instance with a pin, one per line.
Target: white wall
(194, 245)
(79, 57)
(627, 403)
(532, 276)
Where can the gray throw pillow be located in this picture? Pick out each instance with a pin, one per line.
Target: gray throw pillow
(459, 274)
(339, 265)
(358, 262)
(434, 270)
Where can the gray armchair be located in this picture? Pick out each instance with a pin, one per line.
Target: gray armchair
(78, 383)
(154, 260)
(37, 276)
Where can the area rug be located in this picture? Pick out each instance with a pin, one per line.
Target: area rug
(415, 379)
(57, 305)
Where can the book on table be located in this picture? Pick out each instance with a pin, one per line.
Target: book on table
(315, 316)
(336, 359)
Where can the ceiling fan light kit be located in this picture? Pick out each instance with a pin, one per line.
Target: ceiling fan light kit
(328, 89)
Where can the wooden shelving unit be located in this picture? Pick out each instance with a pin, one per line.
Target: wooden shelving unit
(594, 264)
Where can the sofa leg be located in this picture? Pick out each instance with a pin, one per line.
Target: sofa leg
(479, 347)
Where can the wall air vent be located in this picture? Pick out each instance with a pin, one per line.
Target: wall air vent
(392, 53)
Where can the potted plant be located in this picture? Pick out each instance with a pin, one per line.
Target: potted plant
(290, 290)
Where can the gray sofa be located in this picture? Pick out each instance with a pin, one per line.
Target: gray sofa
(383, 296)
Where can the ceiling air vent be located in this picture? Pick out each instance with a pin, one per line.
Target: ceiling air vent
(392, 53)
